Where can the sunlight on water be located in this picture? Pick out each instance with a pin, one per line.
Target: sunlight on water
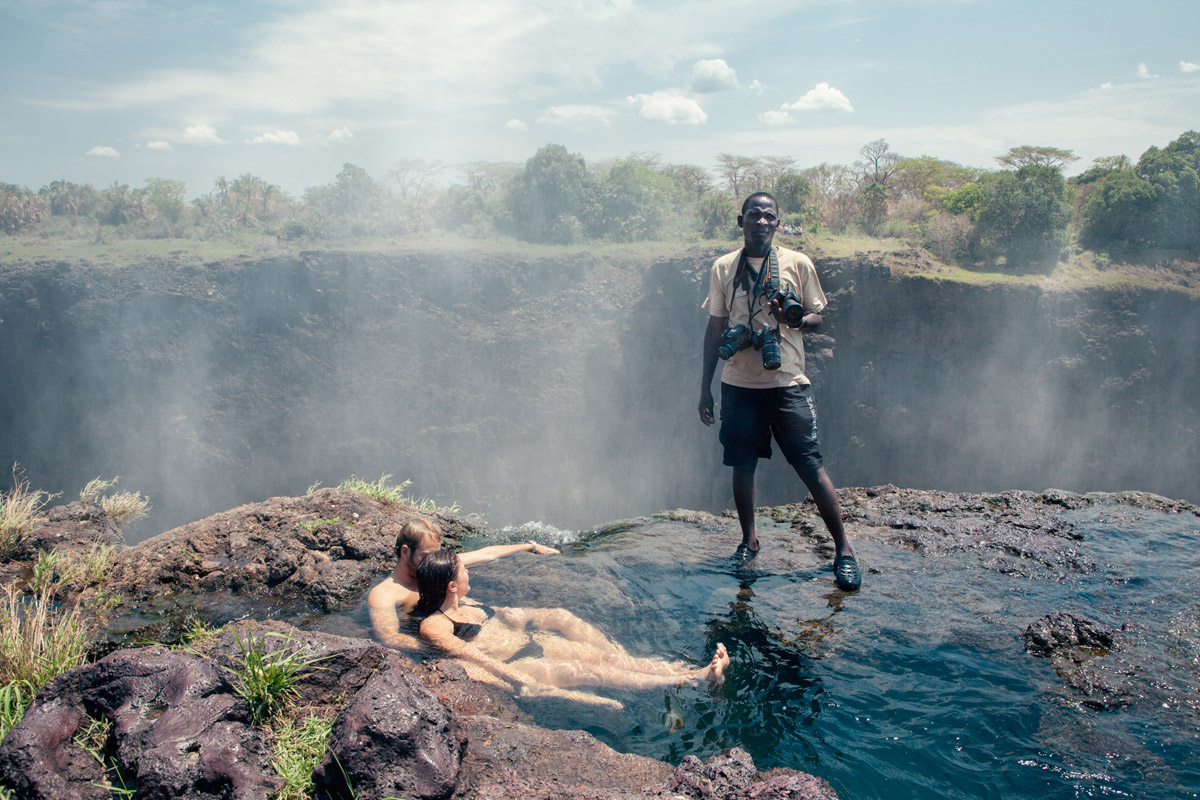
(916, 687)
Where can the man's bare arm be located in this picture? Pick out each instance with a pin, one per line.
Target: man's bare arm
(712, 341)
(495, 551)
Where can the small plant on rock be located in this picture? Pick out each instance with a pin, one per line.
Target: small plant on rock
(299, 747)
(382, 489)
(120, 507)
(266, 679)
(17, 509)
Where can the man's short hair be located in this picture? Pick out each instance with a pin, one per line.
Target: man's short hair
(746, 203)
(415, 533)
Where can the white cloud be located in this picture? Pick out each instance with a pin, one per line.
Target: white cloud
(713, 75)
(775, 117)
(1106, 85)
(201, 134)
(515, 125)
(1188, 66)
(276, 137)
(327, 55)
(1144, 72)
(668, 107)
(158, 145)
(756, 86)
(342, 134)
(575, 116)
(819, 98)
(104, 152)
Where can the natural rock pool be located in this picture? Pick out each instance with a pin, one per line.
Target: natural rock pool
(919, 685)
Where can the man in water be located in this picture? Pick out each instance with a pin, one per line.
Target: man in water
(397, 593)
(758, 399)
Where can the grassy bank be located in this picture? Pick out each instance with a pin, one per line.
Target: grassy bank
(1084, 269)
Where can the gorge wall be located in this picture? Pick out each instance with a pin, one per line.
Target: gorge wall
(563, 388)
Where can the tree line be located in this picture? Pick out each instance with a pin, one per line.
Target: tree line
(1023, 212)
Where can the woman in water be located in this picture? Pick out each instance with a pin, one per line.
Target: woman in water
(497, 640)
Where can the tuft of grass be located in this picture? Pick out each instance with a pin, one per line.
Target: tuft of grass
(313, 524)
(266, 679)
(94, 489)
(299, 747)
(18, 506)
(124, 507)
(15, 697)
(93, 738)
(383, 489)
(197, 631)
(39, 639)
(120, 507)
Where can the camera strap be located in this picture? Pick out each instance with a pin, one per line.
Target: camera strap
(756, 283)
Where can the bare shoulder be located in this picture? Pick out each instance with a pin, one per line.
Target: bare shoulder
(386, 594)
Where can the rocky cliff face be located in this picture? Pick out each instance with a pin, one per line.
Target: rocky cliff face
(564, 387)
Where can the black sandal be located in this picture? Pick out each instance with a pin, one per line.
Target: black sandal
(845, 573)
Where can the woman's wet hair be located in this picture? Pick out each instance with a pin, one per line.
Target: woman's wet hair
(434, 574)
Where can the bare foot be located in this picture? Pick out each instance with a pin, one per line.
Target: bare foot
(715, 671)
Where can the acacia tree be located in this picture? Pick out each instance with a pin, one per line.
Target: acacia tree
(1028, 155)
(736, 172)
(876, 163)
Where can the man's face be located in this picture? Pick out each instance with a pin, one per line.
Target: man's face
(427, 546)
(759, 222)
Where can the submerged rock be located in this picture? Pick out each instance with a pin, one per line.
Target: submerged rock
(1060, 630)
(1078, 649)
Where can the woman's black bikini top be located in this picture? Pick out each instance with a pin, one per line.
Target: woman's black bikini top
(469, 630)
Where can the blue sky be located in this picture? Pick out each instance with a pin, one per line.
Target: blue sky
(125, 90)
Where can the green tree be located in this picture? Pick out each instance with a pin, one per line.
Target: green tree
(737, 172)
(1028, 155)
(913, 177)
(716, 216)
(20, 208)
(166, 197)
(634, 203)
(550, 197)
(793, 193)
(872, 204)
(1025, 214)
(68, 199)
(1120, 211)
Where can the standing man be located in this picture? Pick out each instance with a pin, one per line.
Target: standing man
(759, 300)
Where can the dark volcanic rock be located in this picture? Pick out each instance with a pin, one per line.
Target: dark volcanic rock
(395, 738)
(1079, 649)
(177, 730)
(1061, 630)
(322, 550)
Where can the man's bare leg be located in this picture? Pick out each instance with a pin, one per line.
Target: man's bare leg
(743, 501)
(825, 496)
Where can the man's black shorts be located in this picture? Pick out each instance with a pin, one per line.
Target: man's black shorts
(749, 417)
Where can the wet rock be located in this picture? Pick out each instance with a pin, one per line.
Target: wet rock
(1060, 630)
(506, 759)
(729, 774)
(1079, 649)
(395, 738)
(322, 550)
(732, 774)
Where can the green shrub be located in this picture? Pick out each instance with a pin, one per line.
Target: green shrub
(266, 679)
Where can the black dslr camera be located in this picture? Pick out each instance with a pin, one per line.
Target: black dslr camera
(734, 340)
(767, 340)
(791, 310)
(739, 337)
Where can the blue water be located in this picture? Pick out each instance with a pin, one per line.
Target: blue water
(916, 687)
